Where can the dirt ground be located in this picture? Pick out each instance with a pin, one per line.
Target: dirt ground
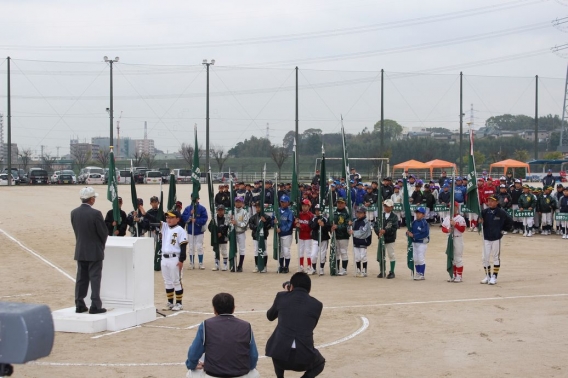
(428, 328)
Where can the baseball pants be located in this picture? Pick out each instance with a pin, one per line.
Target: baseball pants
(256, 250)
(565, 227)
(319, 250)
(360, 254)
(516, 219)
(536, 220)
(458, 251)
(304, 248)
(171, 273)
(491, 250)
(371, 216)
(285, 243)
(241, 239)
(528, 222)
(342, 245)
(546, 219)
(198, 240)
(390, 251)
(419, 253)
(223, 250)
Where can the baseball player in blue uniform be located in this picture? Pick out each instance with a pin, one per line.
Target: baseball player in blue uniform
(420, 234)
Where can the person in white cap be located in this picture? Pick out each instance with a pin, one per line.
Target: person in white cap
(90, 235)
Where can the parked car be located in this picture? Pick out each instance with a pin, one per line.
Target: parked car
(53, 178)
(182, 175)
(15, 174)
(85, 172)
(117, 176)
(140, 175)
(124, 177)
(4, 179)
(95, 179)
(65, 178)
(165, 174)
(38, 176)
(72, 173)
(153, 177)
(224, 177)
(23, 176)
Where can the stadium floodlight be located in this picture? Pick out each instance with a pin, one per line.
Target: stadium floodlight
(207, 64)
(106, 58)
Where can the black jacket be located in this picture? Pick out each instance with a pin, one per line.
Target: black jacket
(121, 228)
(253, 225)
(221, 228)
(495, 221)
(325, 230)
(390, 226)
(298, 314)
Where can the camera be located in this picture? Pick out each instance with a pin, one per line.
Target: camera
(286, 285)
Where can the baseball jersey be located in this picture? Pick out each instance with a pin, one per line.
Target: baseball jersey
(172, 238)
(459, 228)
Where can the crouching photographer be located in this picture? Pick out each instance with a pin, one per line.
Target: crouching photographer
(291, 345)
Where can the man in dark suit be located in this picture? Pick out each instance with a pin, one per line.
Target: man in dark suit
(291, 346)
(91, 234)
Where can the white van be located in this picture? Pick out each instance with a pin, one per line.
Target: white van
(87, 171)
(182, 176)
(124, 177)
(152, 177)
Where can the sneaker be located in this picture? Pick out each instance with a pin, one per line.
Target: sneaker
(285, 270)
(493, 280)
(516, 231)
(530, 234)
(224, 267)
(505, 232)
(458, 279)
(168, 307)
(452, 279)
(310, 270)
(475, 229)
(557, 232)
(363, 274)
(391, 275)
(313, 271)
(342, 272)
(525, 233)
(564, 236)
(239, 269)
(255, 270)
(380, 275)
(485, 280)
(358, 273)
(201, 266)
(418, 277)
(321, 271)
(264, 270)
(215, 268)
(191, 266)
(301, 269)
(177, 307)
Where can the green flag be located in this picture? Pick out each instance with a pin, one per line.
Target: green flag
(322, 189)
(232, 231)
(260, 229)
(295, 200)
(332, 244)
(213, 222)
(133, 194)
(172, 197)
(450, 244)
(345, 167)
(381, 248)
(112, 190)
(408, 217)
(276, 238)
(472, 195)
(195, 171)
(158, 240)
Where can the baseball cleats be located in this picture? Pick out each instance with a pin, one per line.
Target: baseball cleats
(358, 273)
(301, 269)
(224, 267)
(493, 280)
(215, 268)
(564, 236)
(525, 233)
(321, 271)
(452, 279)
(419, 277)
(485, 280)
(168, 307)
(516, 231)
(391, 275)
(177, 307)
(342, 272)
(264, 270)
(191, 266)
(381, 275)
(458, 279)
(201, 266)
(530, 234)
(364, 273)
(255, 270)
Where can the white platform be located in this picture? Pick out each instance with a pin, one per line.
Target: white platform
(127, 290)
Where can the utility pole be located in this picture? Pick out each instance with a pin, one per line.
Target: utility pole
(536, 119)
(382, 112)
(111, 110)
(461, 123)
(9, 117)
(207, 64)
(296, 135)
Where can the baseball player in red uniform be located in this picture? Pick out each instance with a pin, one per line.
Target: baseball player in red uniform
(305, 243)
(457, 225)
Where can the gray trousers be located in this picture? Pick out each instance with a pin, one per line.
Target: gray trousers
(89, 272)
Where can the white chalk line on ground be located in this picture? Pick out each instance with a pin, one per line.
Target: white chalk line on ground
(15, 296)
(115, 332)
(37, 255)
(133, 364)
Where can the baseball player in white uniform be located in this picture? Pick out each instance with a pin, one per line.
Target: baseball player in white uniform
(174, 244)
(457, 224)
(240, 222)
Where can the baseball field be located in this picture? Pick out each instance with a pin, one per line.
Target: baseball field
(370, 327)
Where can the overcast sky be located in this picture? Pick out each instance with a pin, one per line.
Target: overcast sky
(339, 46)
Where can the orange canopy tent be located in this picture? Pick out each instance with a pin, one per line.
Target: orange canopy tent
(437, 163)
(509, 163)
(410, 164)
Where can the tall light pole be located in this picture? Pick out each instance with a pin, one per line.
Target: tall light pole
(207, 64)
(110, 112)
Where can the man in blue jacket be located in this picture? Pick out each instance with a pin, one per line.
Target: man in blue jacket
(420, 235)
(195, 219)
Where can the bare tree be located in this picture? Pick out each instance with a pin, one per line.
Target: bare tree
(138, 158)
(104, 156)
(81, 156)
(186, 151)
(149, 160)
(48, 161)
(25, 157)
(279, 155)
(220, 157)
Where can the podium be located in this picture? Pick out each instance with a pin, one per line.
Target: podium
(127, 290)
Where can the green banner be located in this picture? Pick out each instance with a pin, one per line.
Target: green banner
(373, 207)
(465, 209)
(269, 209)
(561, 217)
(510, 212)
(441, 208)
(397, 207)
(523, 213)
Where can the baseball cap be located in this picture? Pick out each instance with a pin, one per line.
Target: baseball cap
(502, 178)
(239, 199)
(550, 171)
(361, 209)
(388, 203)
(517, 181)
(87, 192)
(173, 214)
(269, 182)
(559, 186)
(341, 199)
(317, 206)
(503, 186)
(526, 186)
(421, 210)
(397, 187)
(284, 198)
(306, 202)
(492, 198)
(446, 186)
(220, 207)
